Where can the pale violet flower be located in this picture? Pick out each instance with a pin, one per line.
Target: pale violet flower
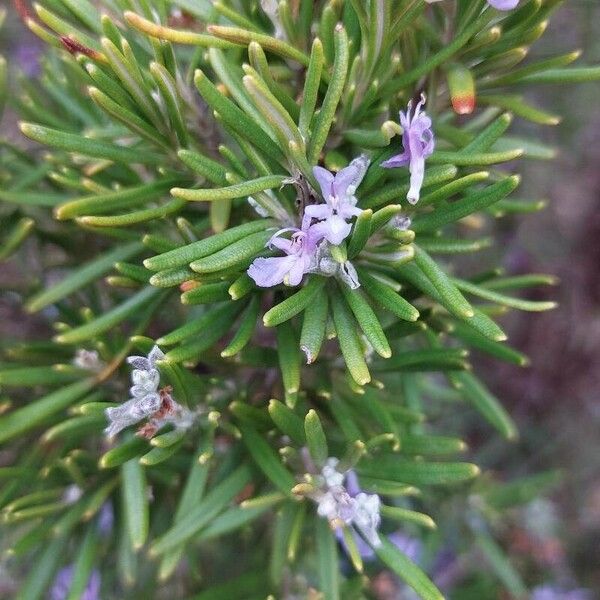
(503, 4)
(131, 412)
(367, 516)
(331, 475)
(300, 257)
(418, 143)
(145, 398)
(340, 202)
(106, 519)
(72, 493)
(145, 363)
(88, 360)
(61, 586)
(144, 382)
(497, 4)
(341, 501)
(549, 592)
(307, 249)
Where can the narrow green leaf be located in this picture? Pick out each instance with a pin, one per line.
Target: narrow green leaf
(425, 360)
(212, 318)
(367, 320)
(350, 345)
(72, 142)
(442, 283)
(314, 325)
(173, 35)
(387, 298)
(315, 438)
(492, 296)
(206, 247)
(119, 200)
(205, 511)
(128, 118)
(311, 87)
(334, 92)
(119, 313)
(431, 445)
(39, 579)
(243, 37)
(287, 421)
(28, 417)
(288, 353)
(208, 168)
(236, 255)
(235, 117)
(245, 329)
(407, 571)
(570, 75)
(122, 453)
(295, 303)
(159, 455)
(173, 102)
(239, 190)
(472, 159)
(397, 513)
(487, 404)
(360, 233)
(476, 340)
(135, 501)
(469, 204)
(500, 564)
(82, 569)
(132, 218)
(207, 293)
(327, 560)
(272, 110)
(394, 468)
(267, 460)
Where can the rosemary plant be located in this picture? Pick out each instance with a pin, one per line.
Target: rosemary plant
(252, 214)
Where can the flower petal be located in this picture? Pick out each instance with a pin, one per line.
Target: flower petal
(503, 4)
(325, 180)
(267, 272)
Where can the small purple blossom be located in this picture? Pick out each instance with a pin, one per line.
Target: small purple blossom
(300, 257)
(63, 581)
(418, 143)
(550, 592)
(307, 250)
(340, 202)
(106, 519)
(503, 4)
(348, 505)
(497, 4)
(145, 400)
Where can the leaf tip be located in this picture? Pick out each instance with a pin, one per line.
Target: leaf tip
(310, 358)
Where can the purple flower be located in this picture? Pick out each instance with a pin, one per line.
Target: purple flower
(549, 592)
(346, 504)
(106, 519)
(418, 143)
(503, 4)
(62, 585)
(340, 202)
(307, 250)
(300, 257)
(497, 4)
(145, 399)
